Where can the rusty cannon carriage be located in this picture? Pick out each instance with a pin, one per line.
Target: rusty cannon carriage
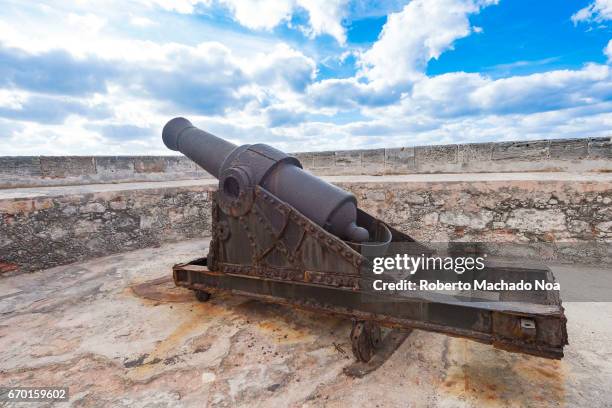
(280, 234)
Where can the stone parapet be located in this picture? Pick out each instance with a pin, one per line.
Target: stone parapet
(563, 217)
(557, 155)
(40, 229)
(28, 171)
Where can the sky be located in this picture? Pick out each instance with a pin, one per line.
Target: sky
(83, 77)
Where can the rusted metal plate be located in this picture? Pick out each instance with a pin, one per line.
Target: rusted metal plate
(497, 327)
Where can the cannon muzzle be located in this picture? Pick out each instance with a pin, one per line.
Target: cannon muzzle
(240, 168)
(207, 150)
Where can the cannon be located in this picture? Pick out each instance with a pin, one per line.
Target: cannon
(240, 168)
(283, 235)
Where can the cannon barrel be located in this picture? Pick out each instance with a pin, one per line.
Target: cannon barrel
(239, 168)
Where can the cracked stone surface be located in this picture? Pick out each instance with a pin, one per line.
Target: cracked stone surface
(118, 333)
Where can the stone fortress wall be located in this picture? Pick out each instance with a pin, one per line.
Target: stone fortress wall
(555, 195)
(558, 155)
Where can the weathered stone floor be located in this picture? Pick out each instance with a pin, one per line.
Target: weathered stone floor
(118, 337)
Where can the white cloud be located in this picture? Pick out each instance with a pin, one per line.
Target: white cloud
(350, 93)
(120, 83)
(460, 94)
(597, 11)
(33, 29)
(260, 14)
(86, 22)
(180, 6)
(325, 16)
(12, 99)
(608, 51)
(283, 68)
(140, 21)
(70, 136)
(140, 90)
(423, 30)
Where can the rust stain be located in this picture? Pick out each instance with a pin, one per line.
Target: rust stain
(8, 267)
(166, 349)
(42, 204)
(285, 324)
(55, 347)
(284, 333)
(17, 207)
(542, 370)
(162, 290)
(488, 377)
(195, 319)
(389, 197)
